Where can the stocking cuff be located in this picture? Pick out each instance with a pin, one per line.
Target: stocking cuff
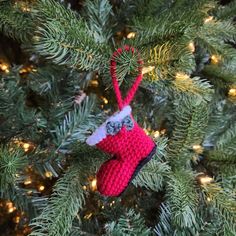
(100, 133)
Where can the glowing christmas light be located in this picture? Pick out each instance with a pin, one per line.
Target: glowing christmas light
(94, 83)
(156, 134)
(27, 182)
(131, 35)
(11, 209)
(17, 219)
(163, 131)
(198, 148)
(48, 174)
(4, 67)
(232, 92)
(208, 199)
(147, 69)
(41, 188)
(191, 47)
(208, 19)
(84, 187)
(94, 184)
(105, 100)
(26, 147)
(204, 180)
(215, 59)
(88, 216)
(181, 76)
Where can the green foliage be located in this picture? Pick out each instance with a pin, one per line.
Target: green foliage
(12, 162)
(182, 199)
(130, 224)
(14, 109)
(191, 117)
(225, 203)
(225, 146)
(15, 23)
(76, 125)
(99, 22)
(164, 227)
(67, 199)
(64, 38)
(227, 12)
(175, 96)
(154, 173)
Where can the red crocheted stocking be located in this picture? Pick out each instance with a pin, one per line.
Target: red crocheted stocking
(121, 137)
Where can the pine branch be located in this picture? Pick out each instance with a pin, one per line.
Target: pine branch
(76, 125)
(15, 23)
(225, 203)
(182, 199)
(227, 12)
(12, 164)
(64, 38)
(225, 146)
(130, 224)
(154, 173)
(67, 199)
(220, 72)
(12, 161)
(164, 227)
(191, 117)
(18, 119)
(99, 22)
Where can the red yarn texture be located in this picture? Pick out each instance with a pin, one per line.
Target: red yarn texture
(129, 149)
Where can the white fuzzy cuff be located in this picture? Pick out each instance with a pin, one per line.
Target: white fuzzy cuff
(100, 133)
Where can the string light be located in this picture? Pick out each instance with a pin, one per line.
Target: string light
(11, 209)
(232, 92)
(215, 59)
(41, 188)
(17, 219)
(105, 100)
(191, 47)
(181, 76)
(29, 192)
(198, 148)
(204, 180)
(208, 199)
(26, 147)
(147, 132)
(156, 134)
(131, 35)
(88, 216)
(163, 131)
(84, 187)
(23, 6)
(147, 69)
(94, 83)
(48, 174)
(103, 207)
(94, 184)
(4, 67)
(208, 19)
(27, 182)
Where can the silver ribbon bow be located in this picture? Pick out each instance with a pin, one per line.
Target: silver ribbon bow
(113, 127)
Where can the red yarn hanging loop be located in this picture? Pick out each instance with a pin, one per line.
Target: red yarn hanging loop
(133, 89)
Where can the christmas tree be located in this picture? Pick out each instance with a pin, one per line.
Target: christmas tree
(56, 90)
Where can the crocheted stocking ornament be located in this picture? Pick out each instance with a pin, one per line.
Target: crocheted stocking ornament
(121, 137)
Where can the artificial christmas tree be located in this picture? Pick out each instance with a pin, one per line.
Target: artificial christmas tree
(56, 91)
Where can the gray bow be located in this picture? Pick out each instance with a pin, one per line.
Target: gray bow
(113, 127)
